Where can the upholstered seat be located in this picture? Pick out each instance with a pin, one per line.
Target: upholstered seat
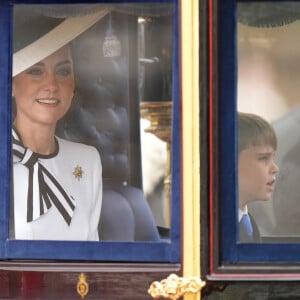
(105, 114)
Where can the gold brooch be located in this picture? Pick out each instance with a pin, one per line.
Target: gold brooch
(78, 172)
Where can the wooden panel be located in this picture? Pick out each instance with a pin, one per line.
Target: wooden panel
(59, 281)
(256, 290)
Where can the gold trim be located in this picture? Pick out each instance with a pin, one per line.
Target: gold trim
(175, 287)
(189, 34)
(191, 137)
(82, 286)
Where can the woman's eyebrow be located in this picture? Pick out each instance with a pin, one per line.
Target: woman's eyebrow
(67, 61)
(41, 64)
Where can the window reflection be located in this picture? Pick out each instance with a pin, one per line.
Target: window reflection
(268, 86)
(104, 113)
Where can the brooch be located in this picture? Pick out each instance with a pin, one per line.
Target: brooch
(78, 172)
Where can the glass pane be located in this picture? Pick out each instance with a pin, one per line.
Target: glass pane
(268, 87)
(79, 88)
(155, 62)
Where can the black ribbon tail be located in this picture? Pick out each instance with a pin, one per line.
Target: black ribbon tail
(30, 196)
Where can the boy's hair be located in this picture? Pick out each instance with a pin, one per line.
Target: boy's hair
(253, 130)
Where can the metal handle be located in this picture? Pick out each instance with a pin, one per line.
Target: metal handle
(174, 287)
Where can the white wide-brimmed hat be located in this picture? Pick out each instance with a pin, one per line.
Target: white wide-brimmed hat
(38, 33)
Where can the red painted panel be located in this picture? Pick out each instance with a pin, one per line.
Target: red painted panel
(106, 281)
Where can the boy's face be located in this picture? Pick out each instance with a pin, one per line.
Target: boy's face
(257, 171)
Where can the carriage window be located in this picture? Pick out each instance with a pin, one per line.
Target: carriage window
(92, 134)
(253, 136)
(268, 73)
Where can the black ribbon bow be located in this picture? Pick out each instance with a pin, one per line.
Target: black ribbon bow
(43, 188)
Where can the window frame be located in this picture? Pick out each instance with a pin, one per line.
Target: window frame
(223, 258)
(157, 252)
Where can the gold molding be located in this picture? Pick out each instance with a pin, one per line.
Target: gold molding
(191, 136)
(189, 45)
(175, 287)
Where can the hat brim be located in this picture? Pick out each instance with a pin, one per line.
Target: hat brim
(58, 37)
(268, 14)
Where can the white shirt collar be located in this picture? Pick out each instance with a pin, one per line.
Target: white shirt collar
(242, 212)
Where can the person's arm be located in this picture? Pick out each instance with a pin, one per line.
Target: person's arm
(97, 197)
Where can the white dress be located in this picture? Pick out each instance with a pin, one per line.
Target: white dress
(78, 170)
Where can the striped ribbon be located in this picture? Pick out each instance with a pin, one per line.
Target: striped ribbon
(43, 188)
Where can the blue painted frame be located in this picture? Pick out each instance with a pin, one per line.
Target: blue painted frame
(83, 251)
(232, 254)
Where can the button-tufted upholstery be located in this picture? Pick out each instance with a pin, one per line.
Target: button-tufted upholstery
(105, 114)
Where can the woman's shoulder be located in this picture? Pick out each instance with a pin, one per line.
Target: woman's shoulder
(76, 148)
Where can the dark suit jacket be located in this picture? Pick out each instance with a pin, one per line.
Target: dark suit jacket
(244, 238)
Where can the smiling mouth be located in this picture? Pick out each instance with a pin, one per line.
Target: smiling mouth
(47, 101)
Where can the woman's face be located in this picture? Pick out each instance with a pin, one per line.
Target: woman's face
(44, 91)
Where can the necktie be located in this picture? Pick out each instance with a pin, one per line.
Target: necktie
(43, 188)
(246, 222)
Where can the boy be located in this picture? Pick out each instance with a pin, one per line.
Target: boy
(257, 144)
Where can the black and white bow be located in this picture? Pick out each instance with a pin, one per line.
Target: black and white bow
(43, 188)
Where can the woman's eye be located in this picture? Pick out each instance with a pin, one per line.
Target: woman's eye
(35, 71)
(64, 72)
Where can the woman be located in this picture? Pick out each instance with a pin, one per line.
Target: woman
(57, 184)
